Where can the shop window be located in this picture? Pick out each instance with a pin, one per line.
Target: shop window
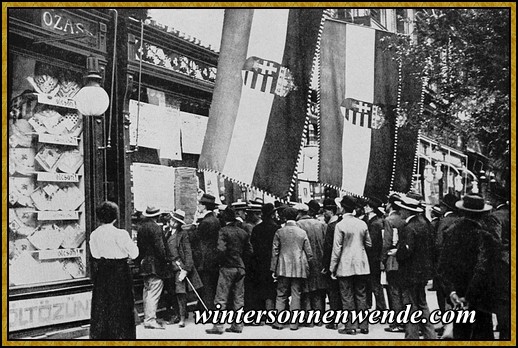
(47, 240)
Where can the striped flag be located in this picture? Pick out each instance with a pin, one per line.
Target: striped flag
(259, 105)
(358, 97)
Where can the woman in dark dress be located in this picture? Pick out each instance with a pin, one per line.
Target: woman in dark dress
(112, 316)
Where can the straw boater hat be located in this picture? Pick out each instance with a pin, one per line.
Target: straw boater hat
(301, 207)
(152, 211)
(254, 206)
(473, 204)
(409, 204)
(179, 215)
(239, 205)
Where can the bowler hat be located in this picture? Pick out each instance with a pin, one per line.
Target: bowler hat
(208, 200)
(179, 215)
(267, 209)
(473, 204)
(314, 205)
(348, 202)
(229, 214)
(409, 204)
(152, 211)
(449, 201)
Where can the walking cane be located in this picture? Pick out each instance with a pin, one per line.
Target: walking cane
(192, 287)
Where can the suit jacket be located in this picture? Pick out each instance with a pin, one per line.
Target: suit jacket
(234, 248)
(179, 249)
(316, 231)
(414, 251)
(328, 242)
(375, 226)
(470, 265)
(349, 256)
(206, 243)
(391, 224)
(152, 257)
(443, 225)
(291, 252)
(259, 273)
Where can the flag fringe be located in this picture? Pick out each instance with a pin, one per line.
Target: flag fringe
(238, 182)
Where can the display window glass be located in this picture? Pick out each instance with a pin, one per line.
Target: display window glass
(47, 239)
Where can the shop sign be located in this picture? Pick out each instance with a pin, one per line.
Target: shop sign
(57, 101)
(37, 312)
(60, 254)
(66, 23)
(58, 215)
(58, 177)
(57, 139)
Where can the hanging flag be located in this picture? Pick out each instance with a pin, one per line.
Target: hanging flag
(358, 97)
(259, 105)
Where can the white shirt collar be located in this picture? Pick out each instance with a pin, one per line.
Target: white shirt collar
(333, 219)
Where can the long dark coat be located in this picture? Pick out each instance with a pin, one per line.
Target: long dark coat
(206, 243)
(152, 253)
(316, 231)
(259, 273)
(179, 248)
(414, 252)
(469, 264)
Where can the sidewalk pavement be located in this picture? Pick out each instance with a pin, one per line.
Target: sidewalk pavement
(195, 332)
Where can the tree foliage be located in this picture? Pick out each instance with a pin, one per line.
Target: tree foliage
(464, 56)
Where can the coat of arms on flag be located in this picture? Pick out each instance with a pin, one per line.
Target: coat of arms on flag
(362, 113)
(259, 106)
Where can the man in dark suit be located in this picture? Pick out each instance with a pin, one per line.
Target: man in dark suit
(263, 285)
(468, 268)
(448, 218)
(333, 288)
(414, 255)
(233, 251)
(291, 254)
(206, 241)
(392, 226)
(374, 217)
(314, 292)
(153, 264)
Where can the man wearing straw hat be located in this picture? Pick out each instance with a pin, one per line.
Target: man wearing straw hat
(153, 264)
(414, 255)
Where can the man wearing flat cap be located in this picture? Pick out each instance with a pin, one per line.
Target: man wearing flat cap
(316, 284)
(469, 268)
(206, 241)
(414, 255)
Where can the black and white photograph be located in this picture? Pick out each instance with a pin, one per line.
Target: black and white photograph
(267, 172)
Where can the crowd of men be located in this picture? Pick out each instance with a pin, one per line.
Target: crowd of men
(295, 256)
